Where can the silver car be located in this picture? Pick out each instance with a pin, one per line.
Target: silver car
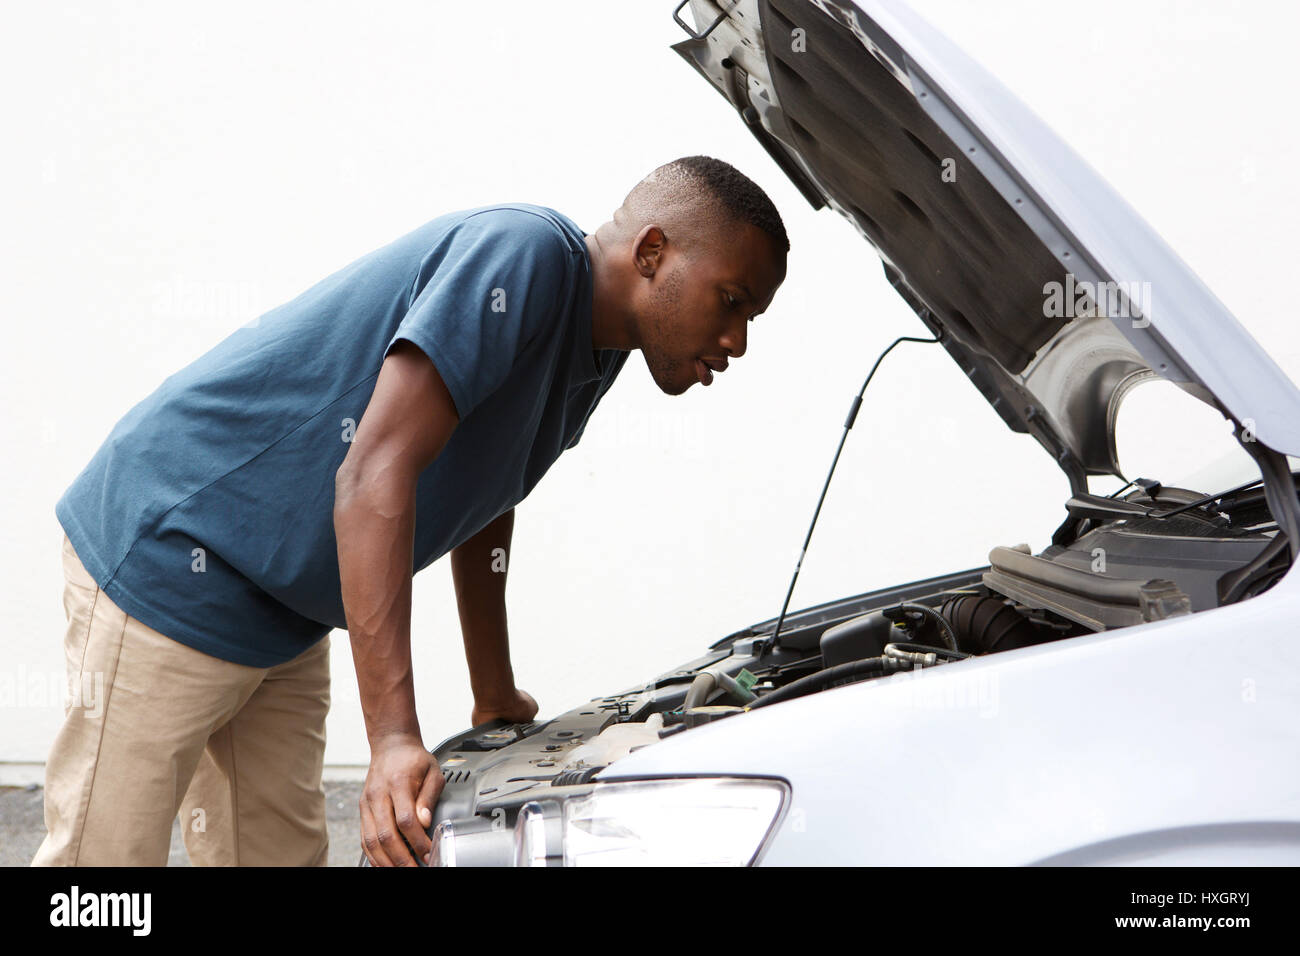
(1130, 694)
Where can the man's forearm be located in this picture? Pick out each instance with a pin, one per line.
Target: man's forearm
(478, 568)
(374, 524)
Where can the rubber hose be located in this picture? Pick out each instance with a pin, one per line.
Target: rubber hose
(941, 622)
(818, 681)
(984, 624)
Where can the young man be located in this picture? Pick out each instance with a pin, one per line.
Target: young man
(295, 477)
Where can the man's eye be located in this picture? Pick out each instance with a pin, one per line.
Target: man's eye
(731, 300)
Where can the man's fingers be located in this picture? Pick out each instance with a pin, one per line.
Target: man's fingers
(428, 796)
(408, 821)
(370, 845)
(532, 704)
(390, 837)
(401, 787)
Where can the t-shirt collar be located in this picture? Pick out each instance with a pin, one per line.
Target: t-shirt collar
(586, 351)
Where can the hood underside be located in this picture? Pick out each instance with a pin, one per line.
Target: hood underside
(1049, 291)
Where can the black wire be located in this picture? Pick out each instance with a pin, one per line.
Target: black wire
(819, 681)
(848, 423)
(940, 622)
(1123, 488)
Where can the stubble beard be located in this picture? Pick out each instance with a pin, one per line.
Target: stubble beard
(662, 361)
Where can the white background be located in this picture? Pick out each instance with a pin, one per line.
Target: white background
(172, 170)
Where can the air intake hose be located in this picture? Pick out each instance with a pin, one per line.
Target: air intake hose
(985, 624)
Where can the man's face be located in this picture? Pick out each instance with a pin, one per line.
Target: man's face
(696, 311)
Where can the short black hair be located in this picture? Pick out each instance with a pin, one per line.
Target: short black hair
(737, 195)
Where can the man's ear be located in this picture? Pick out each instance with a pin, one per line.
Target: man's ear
(648, 250)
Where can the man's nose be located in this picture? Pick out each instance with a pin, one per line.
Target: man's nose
(734, 341)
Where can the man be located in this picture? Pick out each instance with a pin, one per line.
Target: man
(294, 478)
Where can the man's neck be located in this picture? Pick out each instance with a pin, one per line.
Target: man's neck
(607, 328)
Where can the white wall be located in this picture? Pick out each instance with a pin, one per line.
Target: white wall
(173, 170)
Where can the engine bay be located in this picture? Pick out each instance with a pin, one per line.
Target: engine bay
(1153, 554)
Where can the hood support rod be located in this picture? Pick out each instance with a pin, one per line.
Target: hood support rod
(848, 423)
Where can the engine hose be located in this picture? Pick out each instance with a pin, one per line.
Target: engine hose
(700, 688)
(815, 682)
(735, 688)
(1233, 585)
(909, 650)
(925, 658)
(941, 622)
(707, 681)
(988, 624)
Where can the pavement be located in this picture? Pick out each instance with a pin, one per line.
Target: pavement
(22, 825)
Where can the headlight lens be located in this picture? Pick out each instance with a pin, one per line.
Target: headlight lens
(687, 821)
(473, 841)
(444, 845)
(531, 835)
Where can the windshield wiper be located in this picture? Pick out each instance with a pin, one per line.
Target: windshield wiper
(1111, 508)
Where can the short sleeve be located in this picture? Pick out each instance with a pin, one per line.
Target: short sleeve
(495, 281)
(577, 437)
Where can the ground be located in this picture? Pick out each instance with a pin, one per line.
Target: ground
(22, 825)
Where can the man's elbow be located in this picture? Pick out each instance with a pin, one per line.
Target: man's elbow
(346, 483)
(356, 489)
(378, 486)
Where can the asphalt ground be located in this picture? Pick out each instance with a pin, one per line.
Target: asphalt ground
(22, 825)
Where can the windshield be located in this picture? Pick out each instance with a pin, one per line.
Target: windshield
(1164, 433)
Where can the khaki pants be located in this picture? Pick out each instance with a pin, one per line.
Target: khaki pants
(154, 728)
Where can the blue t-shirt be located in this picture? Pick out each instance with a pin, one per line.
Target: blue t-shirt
(207, 514)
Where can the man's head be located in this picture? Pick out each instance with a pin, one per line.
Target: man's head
(695, 251)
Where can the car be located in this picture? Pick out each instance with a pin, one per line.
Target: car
(1128, 695)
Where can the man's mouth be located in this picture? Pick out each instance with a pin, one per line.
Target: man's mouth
(703, 372)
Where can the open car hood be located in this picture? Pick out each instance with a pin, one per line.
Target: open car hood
(1049, 291)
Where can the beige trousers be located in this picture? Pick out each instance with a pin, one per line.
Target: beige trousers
(153, 728)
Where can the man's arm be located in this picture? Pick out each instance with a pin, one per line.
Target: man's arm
(409, 419)
(478, 568)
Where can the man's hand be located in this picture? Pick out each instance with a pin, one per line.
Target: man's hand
(402, 787)
(518, 708)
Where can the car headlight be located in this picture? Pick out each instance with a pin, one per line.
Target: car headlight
(444, 844)
(685, 821)
(474, 841)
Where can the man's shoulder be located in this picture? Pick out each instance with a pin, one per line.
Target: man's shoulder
(527, 222)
